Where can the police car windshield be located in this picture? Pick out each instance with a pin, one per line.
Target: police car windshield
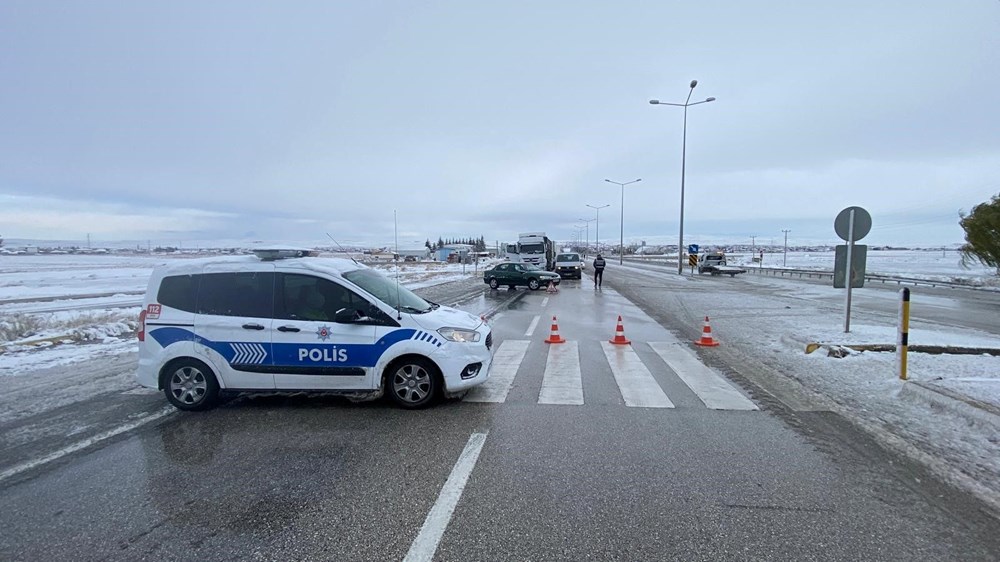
(386, 291)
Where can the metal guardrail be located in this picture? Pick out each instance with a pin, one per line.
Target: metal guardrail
(869, 277)
(820, 274)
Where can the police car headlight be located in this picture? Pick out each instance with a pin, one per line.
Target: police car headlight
(459, 335)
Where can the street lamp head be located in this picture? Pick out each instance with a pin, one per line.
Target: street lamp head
(654, 102)
(710, 99)
(638, 179)
(694, 83)
(607, 180)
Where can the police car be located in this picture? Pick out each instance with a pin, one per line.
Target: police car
(285, 320)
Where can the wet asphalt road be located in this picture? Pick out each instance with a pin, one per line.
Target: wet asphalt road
(318, 478)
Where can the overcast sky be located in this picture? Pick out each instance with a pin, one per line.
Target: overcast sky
(200, 121)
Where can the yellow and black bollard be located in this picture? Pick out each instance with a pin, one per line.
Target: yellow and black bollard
(904, 331)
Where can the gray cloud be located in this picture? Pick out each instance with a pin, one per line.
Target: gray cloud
(229, 121)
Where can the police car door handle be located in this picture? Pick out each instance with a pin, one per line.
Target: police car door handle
(288, 329)
(253, 327)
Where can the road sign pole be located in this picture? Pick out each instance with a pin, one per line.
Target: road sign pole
(850, 278)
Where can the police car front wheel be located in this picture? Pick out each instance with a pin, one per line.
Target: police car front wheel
(190, 385)
(413, 382)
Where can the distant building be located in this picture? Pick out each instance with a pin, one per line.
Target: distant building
(460, 252)
(420, 253)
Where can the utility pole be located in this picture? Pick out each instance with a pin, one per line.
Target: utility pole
(753, 246)
(784, 261)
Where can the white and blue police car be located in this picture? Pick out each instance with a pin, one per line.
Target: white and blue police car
(285, 320)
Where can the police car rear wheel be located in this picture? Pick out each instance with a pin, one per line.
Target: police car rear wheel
(413, 383)
(191, 385)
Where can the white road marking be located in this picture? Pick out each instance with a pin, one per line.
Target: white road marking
(84, 444)
(545, 302)
(532, 326)
(426, 543)
(562, 382)
(505, 364)
(638, 387)
(711, 388)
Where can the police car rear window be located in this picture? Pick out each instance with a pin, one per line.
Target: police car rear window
(179, 291)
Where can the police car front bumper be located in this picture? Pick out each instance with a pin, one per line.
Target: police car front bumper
(465, 365)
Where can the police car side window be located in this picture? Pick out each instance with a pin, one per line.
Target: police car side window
(305, 297)
(179, 291)
(246, 294)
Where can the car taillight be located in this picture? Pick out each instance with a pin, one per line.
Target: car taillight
(142, 325)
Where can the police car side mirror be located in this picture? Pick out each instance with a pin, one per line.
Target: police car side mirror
(346, 316)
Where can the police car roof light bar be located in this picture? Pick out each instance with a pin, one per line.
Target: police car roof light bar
(271, 254)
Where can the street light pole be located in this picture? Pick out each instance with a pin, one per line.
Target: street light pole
(597, 236)
(784, 261)
(621, 241)
(587, 222)
(687, 103)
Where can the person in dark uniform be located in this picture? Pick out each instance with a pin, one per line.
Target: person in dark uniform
(599, 264)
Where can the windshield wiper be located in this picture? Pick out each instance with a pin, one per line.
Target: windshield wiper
(414, 310)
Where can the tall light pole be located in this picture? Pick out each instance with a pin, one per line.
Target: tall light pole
(597, 235)
(687, 103)
(621, 241)
(784, 260)
(587, 247)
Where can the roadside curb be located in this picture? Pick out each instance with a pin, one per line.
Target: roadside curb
(955, 401)
(891, 348)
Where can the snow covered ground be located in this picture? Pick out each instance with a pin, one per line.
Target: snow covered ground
(932, 265)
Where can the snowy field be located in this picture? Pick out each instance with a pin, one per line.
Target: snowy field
(932, 265)
(61, 309)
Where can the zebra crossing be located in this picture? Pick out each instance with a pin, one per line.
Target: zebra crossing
(562, 380)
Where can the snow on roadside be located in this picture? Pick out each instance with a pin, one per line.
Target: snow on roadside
(65, 337)
(774, 329)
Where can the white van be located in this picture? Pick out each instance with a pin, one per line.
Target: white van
(284, 320)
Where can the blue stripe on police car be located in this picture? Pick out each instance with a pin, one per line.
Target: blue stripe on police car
(298, 354)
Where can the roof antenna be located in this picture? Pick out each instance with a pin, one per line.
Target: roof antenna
(395, 227)
(342, 248)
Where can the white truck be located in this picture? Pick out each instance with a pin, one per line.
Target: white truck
(536, 248)
(715, 264)
(512, 253)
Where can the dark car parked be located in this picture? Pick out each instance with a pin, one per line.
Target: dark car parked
(519, 274)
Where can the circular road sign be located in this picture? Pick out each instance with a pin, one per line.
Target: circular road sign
(862, 223)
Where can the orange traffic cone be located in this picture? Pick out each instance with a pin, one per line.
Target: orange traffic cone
(554, 336)
(706, 336)
(619, 338)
